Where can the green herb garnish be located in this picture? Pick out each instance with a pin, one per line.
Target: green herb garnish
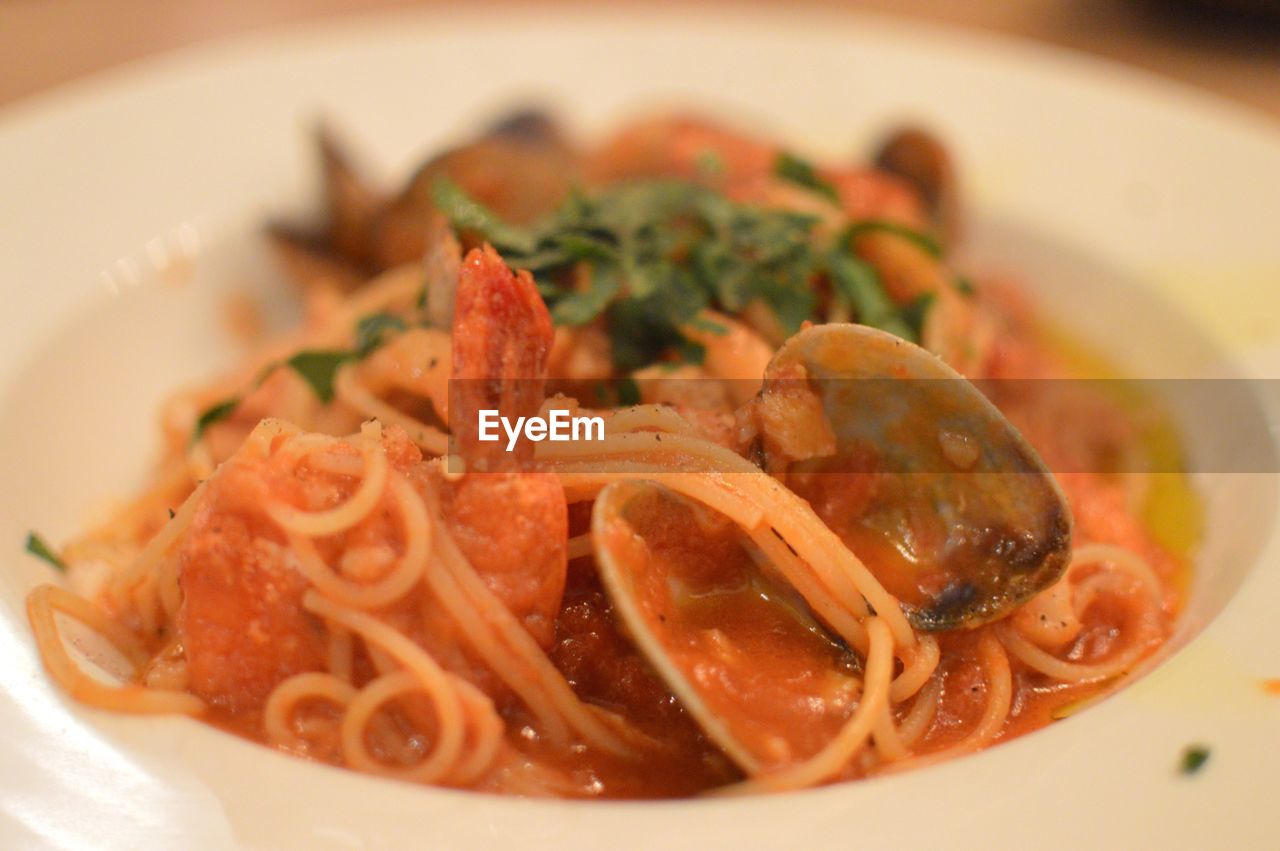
(39, 548)
(1193, 759)
(467, 214)
(921, 239)
(859, 284)
(649, 256)
(372, 330)
(791, 168)
(214, 414)
(318, 367)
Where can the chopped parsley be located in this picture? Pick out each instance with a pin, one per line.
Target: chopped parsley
(214, 414)
(1193, 759)
(317, 367)
(648, 256)
(39, 548)
(919, 238)
(372, 331)
(791, 168)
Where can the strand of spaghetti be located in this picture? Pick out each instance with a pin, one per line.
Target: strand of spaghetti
(422, 674)
(837, 753)
(331, 521)
(160, 542)
(836, 616)
(521, 677)
(488, 730)
(348, 389)
(643, 417)
(168, 589)
(1126, 560)
(918, 667)
(579, 546)
(42, 603)
(341, 656)
(791, 515)
(406, 573)
(440, 761)
(724, 494)
(995, 664)
(540, 684)
(884, 733)
(277, 713)
(1069, 672)
(923, 710)
(382, 728)
(1140, 641)
(838, 568)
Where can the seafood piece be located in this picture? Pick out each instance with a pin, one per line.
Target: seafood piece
(929, 484)
(745, 658)
(733, 352)
(743, 166)
(240, 582)
(920, 159)
(510, 523)
(520, 169)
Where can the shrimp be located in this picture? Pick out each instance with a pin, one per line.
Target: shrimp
(735, 352)
(241, 623)
(510, 522)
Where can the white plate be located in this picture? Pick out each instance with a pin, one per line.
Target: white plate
(1066, 158)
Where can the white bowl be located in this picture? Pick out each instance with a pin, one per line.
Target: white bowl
(1143, 216)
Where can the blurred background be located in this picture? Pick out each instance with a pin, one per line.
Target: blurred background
(1231, 47)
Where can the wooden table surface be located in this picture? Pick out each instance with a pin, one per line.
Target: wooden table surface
(46, 42)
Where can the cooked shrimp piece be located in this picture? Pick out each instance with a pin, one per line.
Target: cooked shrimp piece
(502, 338)
(734, 352)
(242, 624)
(511, 523)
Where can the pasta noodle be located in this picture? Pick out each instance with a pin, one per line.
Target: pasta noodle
(333, 559)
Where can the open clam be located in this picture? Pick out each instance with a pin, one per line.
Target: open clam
(917, 471)
(744, 656)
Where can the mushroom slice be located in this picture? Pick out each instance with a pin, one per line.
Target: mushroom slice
(740, 650)
(929, 484)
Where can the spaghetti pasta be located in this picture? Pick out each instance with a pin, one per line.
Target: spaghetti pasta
(331, 560)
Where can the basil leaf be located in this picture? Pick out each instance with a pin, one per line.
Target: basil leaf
(318, 367)
(39, 548)
(579, 308)
(214, 414)
(791, 168)
(857, 282)
(921, 239)
(1193, 759)
(468, 214)
(915, 313)
(371, 331)
(628, 391)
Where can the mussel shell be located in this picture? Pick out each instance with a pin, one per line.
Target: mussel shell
(745, 658)
(959, 517)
